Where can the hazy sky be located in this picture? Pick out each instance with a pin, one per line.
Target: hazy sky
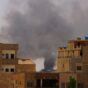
(65, 8)
(3, 9)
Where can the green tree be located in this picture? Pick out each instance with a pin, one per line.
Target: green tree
(72, 83)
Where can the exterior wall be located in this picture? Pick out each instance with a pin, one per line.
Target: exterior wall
(65, 57)
(30, 80)
(25, 68)
(8, 61)
(76, 55)
(85, 55)
(9, 67)
(12, 80)
(64, 79)
(74, 62)
(63, 65)
(85, 59)
(19, 80)
(8, 52)
(22, 73)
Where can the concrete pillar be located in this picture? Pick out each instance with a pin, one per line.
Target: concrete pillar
(41, 83)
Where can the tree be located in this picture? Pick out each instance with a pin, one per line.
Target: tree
(72, 83)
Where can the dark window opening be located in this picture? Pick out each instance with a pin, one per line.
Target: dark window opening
(12, 56)
(81, 53)
(78, 44)
(80, 85)
(79, 68)
(7, 70)
(47, 83)
(12, 70)
(7, 56)
(29, 84)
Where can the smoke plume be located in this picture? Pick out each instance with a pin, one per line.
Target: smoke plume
(38, 28)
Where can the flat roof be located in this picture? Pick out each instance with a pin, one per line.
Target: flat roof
(8, 46)
(25, 61)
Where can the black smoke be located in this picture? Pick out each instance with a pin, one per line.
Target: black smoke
(38, 28)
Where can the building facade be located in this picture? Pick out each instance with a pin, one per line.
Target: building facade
(73, 62)
(21, 73)
(13, 70)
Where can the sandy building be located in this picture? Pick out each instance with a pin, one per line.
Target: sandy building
(13, 71)
(73, 61)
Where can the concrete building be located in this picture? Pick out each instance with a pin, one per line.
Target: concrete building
(73, 61)
(21, 73)
(13, 71)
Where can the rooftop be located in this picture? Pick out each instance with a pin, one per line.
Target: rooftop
(8, 46)
(25, 61)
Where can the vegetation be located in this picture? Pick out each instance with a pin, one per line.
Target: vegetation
(72, 83)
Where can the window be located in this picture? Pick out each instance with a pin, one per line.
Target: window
(79, 68)
(12, 70)
(80, 85)
(6, 70)
(7, 56)
(12, 56)
(79, 44)
(81, 53)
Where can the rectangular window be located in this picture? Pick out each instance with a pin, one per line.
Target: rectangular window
(79, 68)
(7, 56)
(29, 84)
(81, 53)
(80, 85)
(6, 70)
(12, 56)
(12, 70)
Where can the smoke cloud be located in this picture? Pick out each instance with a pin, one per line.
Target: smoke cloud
(38, 28)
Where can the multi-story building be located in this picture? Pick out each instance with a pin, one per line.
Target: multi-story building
(21, 73)
(73, 61)
(13, 71)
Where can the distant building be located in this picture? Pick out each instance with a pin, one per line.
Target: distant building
(73, 61)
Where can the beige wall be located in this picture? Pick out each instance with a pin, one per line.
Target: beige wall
(63, 65)
(12, 80)
(25, 68)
